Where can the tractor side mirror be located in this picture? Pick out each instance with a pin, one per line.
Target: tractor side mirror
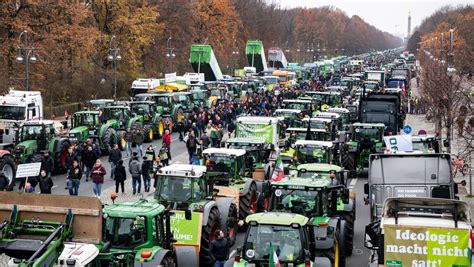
(188, 215)
(366, 188)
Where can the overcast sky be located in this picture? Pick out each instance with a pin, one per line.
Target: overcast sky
(387, 15)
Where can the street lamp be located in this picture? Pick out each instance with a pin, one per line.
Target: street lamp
(25, 54)
(169, 54)
(114, 56)
(235, 52)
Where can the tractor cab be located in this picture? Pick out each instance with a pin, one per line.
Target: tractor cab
(306, 106)
(119, 113)
(295, 134)
(321, 170)
(84, 125)
(426, 143)
(256, 148)
(35, 136)
(344, 114)
(162, 101)
(335, 117)
(100, 104)
(182, 185)
(227, 163)
(200, 97)
(184, 100)
(309, 151)
(289, 117)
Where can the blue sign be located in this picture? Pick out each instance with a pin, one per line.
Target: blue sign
(407, 129)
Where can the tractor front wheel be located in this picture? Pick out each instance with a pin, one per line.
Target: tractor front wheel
(122, 143)
(148, 133)
(7, 166)
(167, 261)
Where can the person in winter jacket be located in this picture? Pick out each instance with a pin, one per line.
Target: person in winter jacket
(114, 156)
(74, 178)
(98, 173)
(88, 160)
(120, 177)
(129, 142)
(219, 249)
(167, 142)
(191, 145)
(147, 169)
(138, 139)
(45, 183)
(135, 169)
(47, 163)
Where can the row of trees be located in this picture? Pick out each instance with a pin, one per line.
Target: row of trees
(71, 39)
(448, 93)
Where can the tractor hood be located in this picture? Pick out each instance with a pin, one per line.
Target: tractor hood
(79, 129)
(25, 148)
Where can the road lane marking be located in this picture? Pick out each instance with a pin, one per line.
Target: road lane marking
(353, 182)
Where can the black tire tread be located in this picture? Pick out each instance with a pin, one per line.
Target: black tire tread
(205, 258)
(245, 202)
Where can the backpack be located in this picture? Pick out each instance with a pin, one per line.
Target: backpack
(135, 168)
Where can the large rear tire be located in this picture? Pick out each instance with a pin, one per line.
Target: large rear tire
(60, 158)
(349, 219)
(248, 202)
(148, 133)
(167, 261)
(110, 138)
(349, 163)
(7, 166)
(341, 242)
(160, 125)
(205, 258)
(232, 221)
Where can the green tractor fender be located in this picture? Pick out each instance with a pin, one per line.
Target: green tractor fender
(134, 120)
(113, 123)
(102, 130)
(158, 254)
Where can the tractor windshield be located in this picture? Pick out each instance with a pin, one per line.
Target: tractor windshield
(86, 119)
(287, 243)
(199, 95)
(179, 189)
(116, 113)
(296, 200)
(312, 154)
(124, 232)
(12, 113)
(217, 92)
(367, 133)
(316, 124)
(32, 132)
(162, 101)
(140, 109)
(220, 163)
(182, 99)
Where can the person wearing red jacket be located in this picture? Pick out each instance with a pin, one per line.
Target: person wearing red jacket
(167, 143)
(98, 173)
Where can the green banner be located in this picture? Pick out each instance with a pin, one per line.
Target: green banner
(426, 247)
(186, 232)
(255, 130)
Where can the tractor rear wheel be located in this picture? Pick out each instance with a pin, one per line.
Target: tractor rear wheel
(110, 138)
(341, 243)
(7, 166)
(207, 237)
(122, 143)
(232, 221)
(248, 202)
(349, 163)
(167, 261)
(60, 158)
(148, 133)
(349, 219)
(160, 125)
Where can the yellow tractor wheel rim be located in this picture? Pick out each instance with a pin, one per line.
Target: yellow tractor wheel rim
(180, 116)
(336, 254)
(161, 128)
(150, 134)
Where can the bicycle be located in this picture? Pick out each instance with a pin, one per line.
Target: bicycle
(461, 165)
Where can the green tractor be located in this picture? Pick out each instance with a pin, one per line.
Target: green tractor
(37, 137)
(255, 147)
(144, 115)
(329, 206)
(286, 237)
(230, 170)
(309, 151)
(167, 108)
(201, 97)
(193, 196)
(140, 234)
(118, 117)
(87, 125)
(364, 139)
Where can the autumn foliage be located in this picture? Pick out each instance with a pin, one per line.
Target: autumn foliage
(72, 39)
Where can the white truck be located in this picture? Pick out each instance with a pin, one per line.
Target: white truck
(421, 232)
(17, 107)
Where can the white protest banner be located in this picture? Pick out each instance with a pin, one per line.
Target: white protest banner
(28, 170)
(398, 143)
(170, 77)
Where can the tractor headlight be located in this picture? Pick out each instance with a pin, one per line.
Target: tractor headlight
(198, 208)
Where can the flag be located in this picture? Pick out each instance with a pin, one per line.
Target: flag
(278, 171)
(273, 260)
(403, 90)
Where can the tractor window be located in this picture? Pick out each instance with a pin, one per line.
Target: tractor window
(141, 109)
(315, 124)
(12, 113)
(198, 95)
(158, 230)
(85, 119)
(220, 164)
(367, 133)
(124, 232)
(216, 92)
(162, 101)
(182, 98)
(175, 189)
(296, 201)
(286, 241)
(31, 132)
(312, 154)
